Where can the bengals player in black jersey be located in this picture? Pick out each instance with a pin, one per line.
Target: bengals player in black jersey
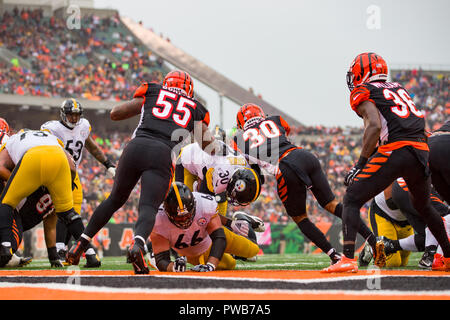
(168, 114)
(263, 139)
(439, 143)
(391, 121)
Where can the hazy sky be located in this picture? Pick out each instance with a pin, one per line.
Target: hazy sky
(296, 53)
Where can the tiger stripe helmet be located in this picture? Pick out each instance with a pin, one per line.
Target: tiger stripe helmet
(366, 67)
(181, 80)
(4, 126)
(248, 111)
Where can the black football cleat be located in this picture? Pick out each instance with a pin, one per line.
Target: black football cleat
(366, 255)
(92, 261)
(75, 253)
(426, 262)
(5, 255)
(24, 261)
(136, 256)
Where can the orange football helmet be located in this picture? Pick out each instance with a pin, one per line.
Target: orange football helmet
(4, 127)
(248, 111)
(366, 67)
(181, 80)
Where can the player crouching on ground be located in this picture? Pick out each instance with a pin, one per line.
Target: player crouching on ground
(189, 223)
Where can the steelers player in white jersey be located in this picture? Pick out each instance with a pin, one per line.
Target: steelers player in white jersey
(217, 175)
(189, 223)
(74, 131)
(28, 160)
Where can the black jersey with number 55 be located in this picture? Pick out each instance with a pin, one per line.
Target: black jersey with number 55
(165, 111)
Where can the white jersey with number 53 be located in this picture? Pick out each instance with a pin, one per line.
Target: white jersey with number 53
(194, 240)
(73, 139)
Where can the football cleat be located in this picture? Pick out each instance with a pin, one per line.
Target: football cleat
(438, 263)
(366, 255)
(74, 254)
(379, 258)
(135, 255)
(256, 223)
(92, 261)
(344, 265)
(426, 262)
(5, 255)
(24, 261)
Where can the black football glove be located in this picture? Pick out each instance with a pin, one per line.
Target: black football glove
(350, 176)
(204, 267)
(179, 265)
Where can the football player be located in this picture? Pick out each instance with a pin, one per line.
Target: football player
(420, 241)
(28, 160)
(169, 115)
(75, 132)
(392, 121)
(439, 143)
(263, 139)
(189, 223)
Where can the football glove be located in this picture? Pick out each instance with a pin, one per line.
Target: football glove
(111, 171)
(204, 267)
(350, 176)
(56, 264)
(240, 227)
(179, 265)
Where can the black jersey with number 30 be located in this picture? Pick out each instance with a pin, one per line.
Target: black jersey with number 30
(265, 140)
(164, 111)
(400, 118)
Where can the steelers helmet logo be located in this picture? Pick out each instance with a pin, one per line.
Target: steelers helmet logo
(201, 222)
(240, 185)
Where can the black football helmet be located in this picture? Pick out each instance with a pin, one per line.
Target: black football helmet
(180, 205)
(71, 107)
(244, 187)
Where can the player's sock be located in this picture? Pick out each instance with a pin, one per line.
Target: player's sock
(314, 234)
(407, 244)
(363, 230)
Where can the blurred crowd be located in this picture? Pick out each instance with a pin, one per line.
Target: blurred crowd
(102, 61)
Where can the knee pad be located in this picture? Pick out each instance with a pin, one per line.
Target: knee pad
(68, 217)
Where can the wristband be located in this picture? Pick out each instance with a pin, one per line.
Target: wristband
(108, 163)
(211, 265)
(361, 162)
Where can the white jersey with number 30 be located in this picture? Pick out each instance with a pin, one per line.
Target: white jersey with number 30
(194, 240)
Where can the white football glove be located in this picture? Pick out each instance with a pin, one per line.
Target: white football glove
(240, 227)
(179, 264)
(111, 171)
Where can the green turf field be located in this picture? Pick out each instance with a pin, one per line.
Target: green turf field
(264, 262)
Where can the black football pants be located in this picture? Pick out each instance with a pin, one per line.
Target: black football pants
(380, 171)
(146, 159)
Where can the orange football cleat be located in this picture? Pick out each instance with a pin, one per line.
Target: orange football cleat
(438, 263)
(379, 257)
(344, 265)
